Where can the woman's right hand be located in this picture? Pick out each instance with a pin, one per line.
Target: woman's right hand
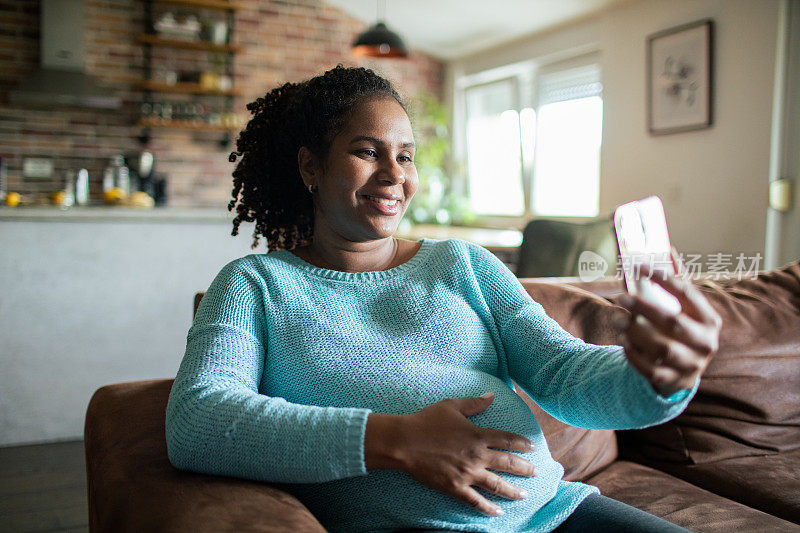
(441, 449)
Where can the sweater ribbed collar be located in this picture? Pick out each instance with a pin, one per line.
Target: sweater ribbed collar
(418, 258)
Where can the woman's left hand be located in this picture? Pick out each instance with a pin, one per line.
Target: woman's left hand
(671, 351)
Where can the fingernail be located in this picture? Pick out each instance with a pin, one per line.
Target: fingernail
(499, 512)
(532, 446)
(535, 471)
(487, 394)
(522, 494)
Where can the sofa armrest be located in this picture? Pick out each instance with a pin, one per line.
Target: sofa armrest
(133, 487)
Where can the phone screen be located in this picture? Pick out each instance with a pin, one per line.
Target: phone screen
(643, 238)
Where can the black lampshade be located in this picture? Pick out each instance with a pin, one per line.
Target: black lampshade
(379, 41)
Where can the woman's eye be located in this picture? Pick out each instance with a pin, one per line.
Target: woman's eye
(406, 158)
(368, 152)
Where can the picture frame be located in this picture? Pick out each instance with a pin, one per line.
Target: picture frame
(680, 78)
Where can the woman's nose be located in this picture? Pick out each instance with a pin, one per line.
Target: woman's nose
(392, 172)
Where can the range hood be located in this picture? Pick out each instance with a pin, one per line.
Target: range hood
(62, 79)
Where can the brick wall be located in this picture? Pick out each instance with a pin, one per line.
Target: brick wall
(283, 40)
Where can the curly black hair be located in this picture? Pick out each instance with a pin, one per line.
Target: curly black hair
(266, 182)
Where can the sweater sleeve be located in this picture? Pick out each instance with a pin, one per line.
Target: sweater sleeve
(218, 423)
(582, 384)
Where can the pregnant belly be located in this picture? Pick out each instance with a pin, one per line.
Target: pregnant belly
(392, 499)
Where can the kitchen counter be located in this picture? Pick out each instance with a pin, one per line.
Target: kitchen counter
(496, 240)
(111, 214)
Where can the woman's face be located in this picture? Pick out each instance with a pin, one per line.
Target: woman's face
(368, 177)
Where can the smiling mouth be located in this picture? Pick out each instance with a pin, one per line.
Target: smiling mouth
(383, 201)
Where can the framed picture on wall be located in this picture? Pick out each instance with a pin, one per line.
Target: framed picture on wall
(680, 82)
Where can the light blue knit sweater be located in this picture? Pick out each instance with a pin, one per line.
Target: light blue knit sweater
(285, 361)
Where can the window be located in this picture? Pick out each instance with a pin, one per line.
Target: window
(533, 142)
(494, 163)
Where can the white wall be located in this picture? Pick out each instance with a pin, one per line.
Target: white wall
(714, 181)
(88, 303)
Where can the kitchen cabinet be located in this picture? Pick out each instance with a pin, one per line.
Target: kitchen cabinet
(197, 93)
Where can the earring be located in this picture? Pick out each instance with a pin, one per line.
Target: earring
(312, 189)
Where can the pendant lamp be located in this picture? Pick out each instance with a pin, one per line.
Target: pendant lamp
(379, 41)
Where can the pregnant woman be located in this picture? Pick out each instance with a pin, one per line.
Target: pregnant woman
(371, 376)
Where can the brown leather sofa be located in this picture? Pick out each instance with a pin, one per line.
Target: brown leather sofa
(730, 462)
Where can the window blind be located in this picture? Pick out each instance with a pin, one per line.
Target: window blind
(571, 84)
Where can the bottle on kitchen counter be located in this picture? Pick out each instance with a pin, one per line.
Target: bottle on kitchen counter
(3, 178)
(82, 187)
(116, 176)
(70, 177)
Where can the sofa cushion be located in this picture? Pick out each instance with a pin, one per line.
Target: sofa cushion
(133, 487)
(580, 312)
(748, 403)
(680, 502)
(770, 483)
(582, 452)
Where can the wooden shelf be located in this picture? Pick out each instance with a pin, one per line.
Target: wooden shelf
(221, 5)
(184, 125)
(185, 88)
(155, 40)
(229, 123)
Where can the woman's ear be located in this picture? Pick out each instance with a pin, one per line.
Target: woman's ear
(309, 166)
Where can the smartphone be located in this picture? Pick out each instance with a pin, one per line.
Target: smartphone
(643, 238)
